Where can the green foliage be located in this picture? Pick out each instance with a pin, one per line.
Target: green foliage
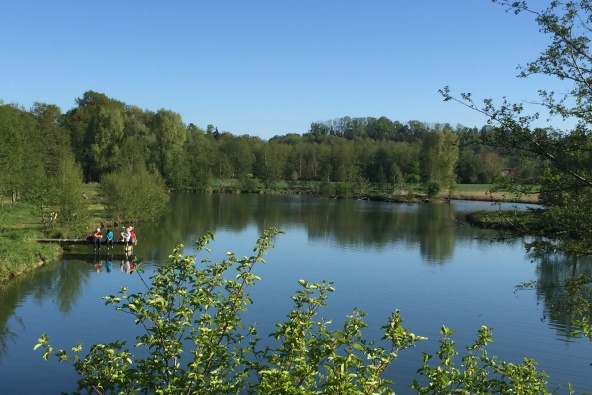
(170, 134)
(13, 132)
(104, 135)
(480, 373)
(563, 226)
(433, 189)
(343, 188)
(105, 132)
(191, 321)
(134, 194)
(326, 188)
(68, 198)
(19, 251)
(248, 184)
(439, 156)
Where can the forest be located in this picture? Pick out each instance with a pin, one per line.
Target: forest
(102, 135)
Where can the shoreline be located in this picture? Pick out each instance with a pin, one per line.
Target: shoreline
(38, 259)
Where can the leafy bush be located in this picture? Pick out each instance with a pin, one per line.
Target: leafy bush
(134, 194)
(191, 315)
(433, 189)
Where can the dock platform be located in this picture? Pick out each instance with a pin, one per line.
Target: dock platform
(79, 242)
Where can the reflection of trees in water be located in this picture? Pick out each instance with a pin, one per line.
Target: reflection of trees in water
(61, 281)
(9, 304)
(431, 228)
(552, 271)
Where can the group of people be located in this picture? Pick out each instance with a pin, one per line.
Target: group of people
(126, 266)
(128, 236)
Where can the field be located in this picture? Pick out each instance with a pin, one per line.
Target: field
(481, 192)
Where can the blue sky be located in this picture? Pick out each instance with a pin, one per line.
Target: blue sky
(267, 68)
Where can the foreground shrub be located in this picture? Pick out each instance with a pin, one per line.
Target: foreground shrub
(191, 317)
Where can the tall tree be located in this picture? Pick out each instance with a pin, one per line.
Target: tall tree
(12, 146)
(566, 183)
(240, 155)
(170, 132)
(70, 201)
(53, 140)
(105, 135)
(271, 162)
(439, 156)
(77, 121)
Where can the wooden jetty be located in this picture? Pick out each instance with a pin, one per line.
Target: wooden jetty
(70, 242)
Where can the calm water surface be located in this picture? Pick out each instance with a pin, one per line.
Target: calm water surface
(421, 259)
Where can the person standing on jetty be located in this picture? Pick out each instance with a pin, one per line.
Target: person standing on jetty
(97, 238)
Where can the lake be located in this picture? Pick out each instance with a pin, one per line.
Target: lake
(421, 259)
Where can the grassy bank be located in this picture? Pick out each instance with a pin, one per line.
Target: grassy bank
(343, 190)
(481, 192)
(20, 226)
(19, 252)
(507, 220)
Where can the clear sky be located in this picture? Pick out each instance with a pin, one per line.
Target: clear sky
(269, 67)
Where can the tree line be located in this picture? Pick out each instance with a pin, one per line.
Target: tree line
(102, 135)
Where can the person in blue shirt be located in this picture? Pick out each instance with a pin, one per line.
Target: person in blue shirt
(109, 238)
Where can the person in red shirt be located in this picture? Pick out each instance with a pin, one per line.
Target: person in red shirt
(132, 235)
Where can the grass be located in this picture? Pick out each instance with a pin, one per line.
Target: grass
(481, 192)
(19, 252)
(20, 226)
(96, 208)
(461, 192)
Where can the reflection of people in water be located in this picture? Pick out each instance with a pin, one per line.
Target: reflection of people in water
(109, 264)
(97, 266)
(125, 266)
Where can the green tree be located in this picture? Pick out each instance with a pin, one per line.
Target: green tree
(105, 134)
(566, 181)
(170, 132)
(12, 147)
(270, 164)
(139, 139)
(69, 199)
(439, 156)
(240, 155)
(343, 162)
(52, 140)
(77, 121)
(134, 194)
(198, 159)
